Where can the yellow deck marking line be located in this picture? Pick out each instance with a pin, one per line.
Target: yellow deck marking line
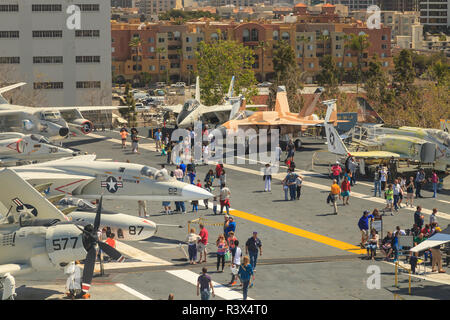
(298, 232)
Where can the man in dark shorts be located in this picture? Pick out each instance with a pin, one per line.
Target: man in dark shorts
(204, 283)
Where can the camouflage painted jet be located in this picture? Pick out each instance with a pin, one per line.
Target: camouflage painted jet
(378, 143)
(288, 123)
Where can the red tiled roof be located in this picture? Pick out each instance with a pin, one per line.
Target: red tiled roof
(328, 5)
(300, 5)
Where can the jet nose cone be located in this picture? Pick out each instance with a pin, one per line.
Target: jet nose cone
(191, 192)
(149, 228)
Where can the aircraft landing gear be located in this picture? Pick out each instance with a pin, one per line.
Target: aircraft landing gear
(8, 284)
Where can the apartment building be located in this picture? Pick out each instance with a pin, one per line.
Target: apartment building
(407, 31)
(123, 3)
(354, 5)
(66, 66)
(168, 50)
(435, 15)
(155, 7)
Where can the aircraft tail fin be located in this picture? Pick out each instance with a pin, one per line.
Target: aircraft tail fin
(282, 104)
(237, 106)
(24, 199)
(335, 143)
(197, 89)
(366, 113)
(309, 110)
(231, 88)
(8, 88)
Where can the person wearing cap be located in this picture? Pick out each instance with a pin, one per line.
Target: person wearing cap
(336, 171)
(251, 248)
(363, 225)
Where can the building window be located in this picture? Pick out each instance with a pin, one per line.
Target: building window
(348, 54)
(151, 68)
(151, 49)
(384, 46)
(169, 36)
(275, 35)
(350, 64)
(87, 59)
(339, 64)
(9, 34)
(285, 36)
(88, 84)
(188, 39)
(245, 35)
(137, 67)
(151, 40)
(385, 64)
(48, 85)
(9, 7)
(46, 7)
(176, 35)
(47, 34)
(254, 35)
(383, 55)
(188, 49)
(48, 59)
(338, 47)
(214, 36)
(89, 7)
(311, 65)
(199, 39)
(87, 33)
(190, 67)
(310, 47)
(9, 60)
(162, 68)
(161, 40)
(384, 37)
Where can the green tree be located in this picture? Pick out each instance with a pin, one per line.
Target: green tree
(217, 62)
(304, 40)
(160, 51)
(404, 74)
(346, 38)
(146, 78)
(328, 75)
(180, 54)
(359, 44)
(440, 72)
(324, 37)
(262, 46)
(287, 74)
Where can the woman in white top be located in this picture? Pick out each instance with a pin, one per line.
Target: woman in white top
(383, 178)
(192, 240)
(267, 177)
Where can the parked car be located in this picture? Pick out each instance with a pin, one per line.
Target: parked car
(264, 84)
(160, 84)
(180, 84)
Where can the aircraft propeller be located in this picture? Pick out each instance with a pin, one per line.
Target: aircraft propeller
(90, 238)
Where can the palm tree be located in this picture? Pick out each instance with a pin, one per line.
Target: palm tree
(304, 40)
(359, 43)
(135, 43)
(159, 51)
(262, 45)
(346, 38)
(180, 54)
(324, 37)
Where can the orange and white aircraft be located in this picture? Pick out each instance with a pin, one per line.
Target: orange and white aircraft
(288, 123)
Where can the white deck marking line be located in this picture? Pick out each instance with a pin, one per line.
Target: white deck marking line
(219, 289)
(132, 291)
(443, 201)
(443, 278)
(306, 183)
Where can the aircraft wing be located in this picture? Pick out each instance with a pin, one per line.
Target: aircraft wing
(13, 86)
(14, 268)
(20, 196)
(374, 154)
(87, 108)
(217, 108)
(435, 240)
(175, 108)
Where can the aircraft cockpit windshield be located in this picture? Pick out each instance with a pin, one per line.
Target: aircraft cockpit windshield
(39, 139)
(442, 136)
(190, 105)
(50, 115)
(152, 173)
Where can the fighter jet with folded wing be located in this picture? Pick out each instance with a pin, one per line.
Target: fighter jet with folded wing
(288, 123)
(16, 147)
(377, 142)
(193, 110)
(45, 121)
(86, 178)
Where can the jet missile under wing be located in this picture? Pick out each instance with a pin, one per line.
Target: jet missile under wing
(13, 269)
